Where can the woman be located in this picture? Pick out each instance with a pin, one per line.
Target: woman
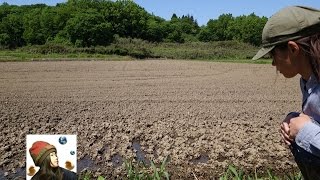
(45, 156)
(292, 38)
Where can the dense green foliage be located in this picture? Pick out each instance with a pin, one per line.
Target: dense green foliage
(91, 23)
(231, 51)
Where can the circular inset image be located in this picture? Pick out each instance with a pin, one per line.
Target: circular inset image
(69, 165)
(31, 171)
(62, 140)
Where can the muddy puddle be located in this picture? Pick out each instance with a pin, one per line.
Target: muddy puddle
(140, 155)
(85, 163)
(203, 158)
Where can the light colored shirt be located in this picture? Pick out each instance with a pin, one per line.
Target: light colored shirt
(308, 137)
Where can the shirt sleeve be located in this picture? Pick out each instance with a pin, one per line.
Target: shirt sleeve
(308, 138)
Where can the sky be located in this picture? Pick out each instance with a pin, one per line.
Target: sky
(201, 10)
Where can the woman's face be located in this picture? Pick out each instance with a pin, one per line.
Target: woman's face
(54, 159)
(283, 62)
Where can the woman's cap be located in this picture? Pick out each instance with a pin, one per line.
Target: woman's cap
(289, 23)
(40, 150)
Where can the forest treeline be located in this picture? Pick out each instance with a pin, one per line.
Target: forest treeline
(91, 23)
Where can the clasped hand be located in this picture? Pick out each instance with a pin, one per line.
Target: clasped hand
(291, 125)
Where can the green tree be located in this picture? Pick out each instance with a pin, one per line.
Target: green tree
(5, 9)
(216, 29)
(63, 12)
(11, 27)
(156, 31)
(50, 22)
(33, 33)
(127, 18)
(4, 40)
(89, 29)
(205, 35)
(247, 29)
(189, 25)
(174, 17)
(251, 32)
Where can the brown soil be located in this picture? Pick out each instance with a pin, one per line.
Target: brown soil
(202, 115)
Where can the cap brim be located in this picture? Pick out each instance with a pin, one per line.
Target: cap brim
(263, 51)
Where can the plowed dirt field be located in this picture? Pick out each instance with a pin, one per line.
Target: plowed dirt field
(202, 115)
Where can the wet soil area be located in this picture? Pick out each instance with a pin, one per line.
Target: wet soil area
(203, 115)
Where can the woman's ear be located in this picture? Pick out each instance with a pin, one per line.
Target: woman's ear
(293, 48)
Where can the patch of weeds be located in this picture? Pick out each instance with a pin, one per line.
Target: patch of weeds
(294, 177)
(88, 176)
(233, 173)
(238, 174)
(147, 173)
(141, 171)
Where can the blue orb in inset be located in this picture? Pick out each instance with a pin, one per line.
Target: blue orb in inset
(72, 152)
(62, 140)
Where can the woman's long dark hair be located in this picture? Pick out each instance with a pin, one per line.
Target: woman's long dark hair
(49, 173)
(311, 47)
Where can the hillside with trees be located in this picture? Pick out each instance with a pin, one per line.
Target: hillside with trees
(103, 24)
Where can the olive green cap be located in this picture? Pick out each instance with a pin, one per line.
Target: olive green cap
(290, 23)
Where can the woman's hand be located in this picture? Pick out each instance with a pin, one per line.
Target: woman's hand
(291, 125)
(285, 130)
(296, 124)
